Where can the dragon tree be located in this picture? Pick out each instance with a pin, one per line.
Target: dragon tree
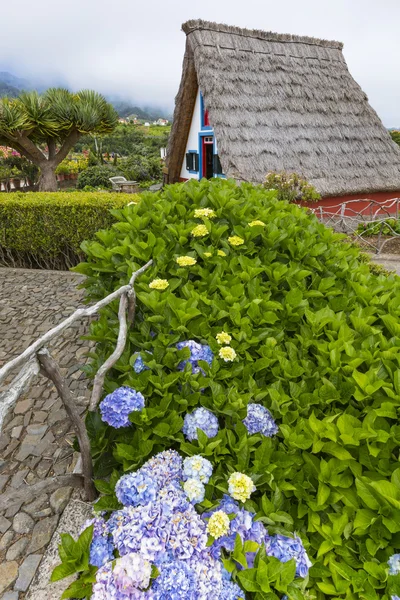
(44, 127)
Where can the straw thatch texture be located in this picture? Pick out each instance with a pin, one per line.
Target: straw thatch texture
(282, 102)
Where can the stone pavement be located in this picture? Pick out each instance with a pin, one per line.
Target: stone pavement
(391, 262)
(36, 441)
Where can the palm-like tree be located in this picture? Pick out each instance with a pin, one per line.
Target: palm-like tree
(44, 128)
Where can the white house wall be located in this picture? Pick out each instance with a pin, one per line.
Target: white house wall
(193, 139)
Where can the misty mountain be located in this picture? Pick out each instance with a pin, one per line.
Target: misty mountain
(11, 86)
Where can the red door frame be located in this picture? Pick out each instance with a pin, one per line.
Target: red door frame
(205, 141)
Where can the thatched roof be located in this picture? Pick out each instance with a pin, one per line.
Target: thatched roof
(282, 102)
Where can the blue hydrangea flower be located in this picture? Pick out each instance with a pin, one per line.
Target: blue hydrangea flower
(117, 406)
(135, 488)
(101, 551)
(197, 467)
(163, 468)
(101, 547)
(176, 582)
(395, 598)
(197, 352)
(230, 591)
(138, 365)
(260, 420)
(394, 564)
(203, 419)
(285, 548)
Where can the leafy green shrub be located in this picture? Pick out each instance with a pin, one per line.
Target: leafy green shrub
(317, 342)
(384, 227)
(141, 168)
(395, 136)
(46, 229)
(96, 176)
(291, 187)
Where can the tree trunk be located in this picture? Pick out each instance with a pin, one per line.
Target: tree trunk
(48, 179)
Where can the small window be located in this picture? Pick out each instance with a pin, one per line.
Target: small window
(206, 118)
(192, 162)
(217, 165)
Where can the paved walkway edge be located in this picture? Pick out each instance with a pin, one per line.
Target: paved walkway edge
(71, 521)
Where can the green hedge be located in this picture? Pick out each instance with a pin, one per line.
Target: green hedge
(45, 230)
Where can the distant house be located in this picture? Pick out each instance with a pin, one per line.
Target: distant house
(162, 122)
(252, 102)
(121, 120)
(147, 124)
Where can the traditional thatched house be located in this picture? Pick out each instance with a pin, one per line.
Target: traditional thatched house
(252, 102)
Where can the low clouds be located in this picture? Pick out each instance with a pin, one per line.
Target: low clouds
(123, 48)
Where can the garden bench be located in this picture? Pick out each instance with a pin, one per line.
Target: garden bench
(121, 184)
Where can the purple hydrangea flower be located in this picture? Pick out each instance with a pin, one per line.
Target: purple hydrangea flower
(104, 588)
(260, 420)
(197, 352)
(169, 526)
(164, 468)
(394, 564)
(135, 488)
(285, 548)
(110, 586)
(203, 419)
(208, 573)
(243, 524)
(117, 406)
(230, 591)
(176, 582)
(131, 572)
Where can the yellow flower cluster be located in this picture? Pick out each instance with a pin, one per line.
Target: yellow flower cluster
(227, 353)
(221, 253)
(159, 284)
(200, 231)
(218, 524)
(257, 223)
(208, 213)
(240, 486)
(235, 240)
(207, 254)
(223, 338)
(186, 261)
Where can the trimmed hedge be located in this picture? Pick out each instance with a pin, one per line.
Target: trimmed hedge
(46, 230)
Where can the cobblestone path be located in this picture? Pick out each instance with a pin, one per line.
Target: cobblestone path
(36, 441)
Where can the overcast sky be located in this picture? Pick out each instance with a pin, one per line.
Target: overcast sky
(134, 49)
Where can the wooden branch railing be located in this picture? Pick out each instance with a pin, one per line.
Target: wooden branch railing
(36, 358)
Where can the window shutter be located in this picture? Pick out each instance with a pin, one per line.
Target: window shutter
(217, 165)
(192, 161)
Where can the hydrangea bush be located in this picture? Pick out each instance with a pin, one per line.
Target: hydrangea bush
(300, 397)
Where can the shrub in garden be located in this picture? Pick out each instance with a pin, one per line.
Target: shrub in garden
(141, 168)
(291, 187)
(96, 176)
(46, 229)
(294, 323)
